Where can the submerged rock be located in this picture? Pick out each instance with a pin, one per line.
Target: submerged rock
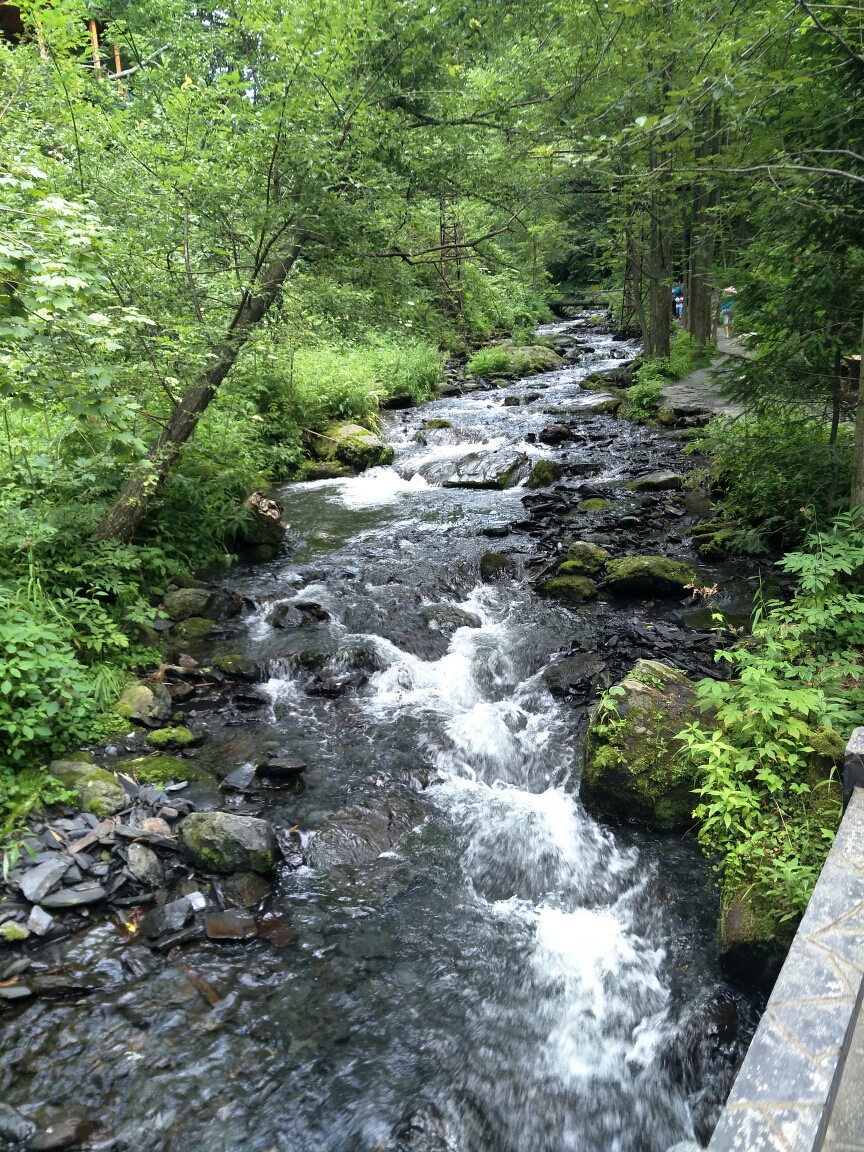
(494, 566)
(13, 1126)
(574, 673)
(223, 842)
(632, 762)
(645, 576)
(359, 834)
(99, 791)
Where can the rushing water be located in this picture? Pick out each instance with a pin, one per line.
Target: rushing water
(512, 976)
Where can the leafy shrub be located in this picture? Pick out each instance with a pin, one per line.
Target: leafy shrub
(768, 809)
(643, 400)
(776, 471)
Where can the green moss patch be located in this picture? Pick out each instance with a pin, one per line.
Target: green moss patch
(179, 737)
(572, 589)
(158, 770)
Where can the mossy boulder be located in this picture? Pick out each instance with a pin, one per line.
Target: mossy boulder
(829, 750)
(595, 383)
(632, 766)
(147, 704)
(434, 425)
(595, 504)
(185, 602)
(666, 416)
(239, 667)
(664, 481)
(583, 559)
(179, 737)
(224, 842)
(644, 576)
(158, 770)
(324, 470)
(751, 940)
(510, 360)
(572, 589)
(12, 933)
(544, 473)
(352, 445)
(99, 791)
(195, 628)
(494, 566)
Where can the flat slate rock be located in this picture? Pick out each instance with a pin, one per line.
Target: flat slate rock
(86, 893)
(229, 925)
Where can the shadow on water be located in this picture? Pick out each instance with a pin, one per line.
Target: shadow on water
(509, 975)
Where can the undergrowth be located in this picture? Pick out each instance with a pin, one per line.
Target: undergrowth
(769, 793)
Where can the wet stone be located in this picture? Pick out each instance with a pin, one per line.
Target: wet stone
(241, 779)
(86, 893)
(276, 930)
(282, 767)
(40, 921)
(246, 889)
(13, 1126)
(166, 919)
(145, 865)
(37, 882)
(61, 1134)
(229, 925)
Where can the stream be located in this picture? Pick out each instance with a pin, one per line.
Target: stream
(508, 974)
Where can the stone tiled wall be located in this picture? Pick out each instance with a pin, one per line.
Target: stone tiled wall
(782, 1096)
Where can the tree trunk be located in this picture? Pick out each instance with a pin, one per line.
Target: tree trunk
(660, 285)
(125, 514)
(857, 499)
(835, 425)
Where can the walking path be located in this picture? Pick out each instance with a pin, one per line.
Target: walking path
(699, 392)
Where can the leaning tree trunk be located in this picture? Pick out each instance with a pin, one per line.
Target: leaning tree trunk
(660, 285)
(127, 511)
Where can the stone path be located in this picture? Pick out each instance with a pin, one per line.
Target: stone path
(698, 392)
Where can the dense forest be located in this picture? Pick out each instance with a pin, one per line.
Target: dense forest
(222, 230)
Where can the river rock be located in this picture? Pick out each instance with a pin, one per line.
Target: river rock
(177, 737)
(224, 842)
(503, 468)
(494, 566)
(166, 918)
(300, 614)
(573, 673)
(39, 921)
(752, 944)
(276, 930)
(158, 770)
(13, 1126)
(324, 470)
(145, 865)
(644, 576)
(246, 889)
(360, 833)
(554, 434)
(79, 894)
(352, 445)
(61, 1134)
(229, 925)
(572, 589)
(657, 482)
(99, 791)
(282, 767)
(193, 628)
(148, 704)
(447, 618)
(262, 521)
(583, 559)
(186, 602)
(239, 668)
(37, 882)
(544, 473)
(632, 762)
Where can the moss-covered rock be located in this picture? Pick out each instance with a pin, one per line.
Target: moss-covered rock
(664, 481)
(99, 792)
(544, 473)
(147, 704)
(594, 504)
(648, 576)
(632, 767)
(185, 602)
(195, 628)
(158, 770)
(751, 939)
(829, 750)
(324, 470)
(352, 445)
(666, 416)
(239, 667)
(573, 589)
(12, 933)
(179, 737)
(225, 843)
(583, 559)
(433, 425)
(494, 566)
(508, 360)
(262, 522)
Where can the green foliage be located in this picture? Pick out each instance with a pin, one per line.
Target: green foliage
(776, 472)
(769, 806)
(643, 400)
(492, 361)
